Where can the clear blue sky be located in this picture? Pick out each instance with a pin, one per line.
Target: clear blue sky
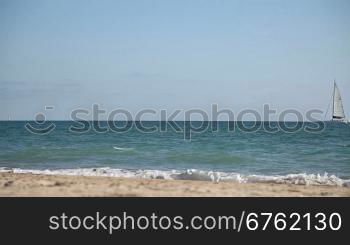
(171, 54)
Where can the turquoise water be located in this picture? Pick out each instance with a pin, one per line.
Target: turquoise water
(246, 153)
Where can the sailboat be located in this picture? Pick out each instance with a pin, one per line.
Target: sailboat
(338, 114)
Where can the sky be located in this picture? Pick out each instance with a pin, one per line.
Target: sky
(171, 55)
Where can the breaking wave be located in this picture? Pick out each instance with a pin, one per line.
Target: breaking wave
(122, 148)
(193, 174)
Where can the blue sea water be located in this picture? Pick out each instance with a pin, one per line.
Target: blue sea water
(237, 152)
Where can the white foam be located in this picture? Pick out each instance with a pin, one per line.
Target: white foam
(193, 174)
(122, 148)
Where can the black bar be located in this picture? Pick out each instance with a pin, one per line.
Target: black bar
(28, 218)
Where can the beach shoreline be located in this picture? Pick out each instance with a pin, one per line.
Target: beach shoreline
(28, 184)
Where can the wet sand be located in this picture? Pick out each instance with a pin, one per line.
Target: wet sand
(15, 184)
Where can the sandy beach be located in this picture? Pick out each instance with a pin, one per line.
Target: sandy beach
(15, 184)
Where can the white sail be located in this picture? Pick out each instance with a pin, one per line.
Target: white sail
(338, 110)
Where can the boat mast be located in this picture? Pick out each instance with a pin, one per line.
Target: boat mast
(333, 100)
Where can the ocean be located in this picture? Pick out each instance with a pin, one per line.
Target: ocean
(298, 157)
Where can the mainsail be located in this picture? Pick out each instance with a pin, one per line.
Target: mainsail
(338, 110)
